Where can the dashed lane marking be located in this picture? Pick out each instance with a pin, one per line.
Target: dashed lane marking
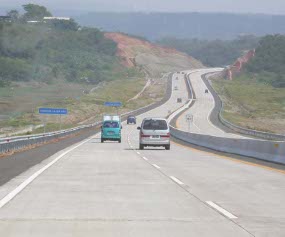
(221, 210)
(176, 180)
(156, 166)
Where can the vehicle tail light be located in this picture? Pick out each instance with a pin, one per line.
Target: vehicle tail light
(143, 135)
(167, 135)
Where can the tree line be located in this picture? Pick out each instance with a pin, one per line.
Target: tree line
(213, 53)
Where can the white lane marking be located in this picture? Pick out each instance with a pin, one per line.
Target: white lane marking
(176, 180)
(221, 210)
(23, 185)
(156, 166)
(145, 158)
(138, 153)
(209, 121)
(195, 123)
(196, 126)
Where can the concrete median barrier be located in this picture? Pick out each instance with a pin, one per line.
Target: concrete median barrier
(264, 150)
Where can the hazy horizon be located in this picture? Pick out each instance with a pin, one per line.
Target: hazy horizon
(274, 7)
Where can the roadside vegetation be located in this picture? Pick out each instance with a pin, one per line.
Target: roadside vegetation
(58, 63)
(256, 98)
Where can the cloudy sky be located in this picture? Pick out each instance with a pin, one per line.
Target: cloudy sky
(243, 6)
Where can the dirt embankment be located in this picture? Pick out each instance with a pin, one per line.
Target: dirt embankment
(151, 57)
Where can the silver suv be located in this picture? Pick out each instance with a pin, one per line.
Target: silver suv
(154, 132)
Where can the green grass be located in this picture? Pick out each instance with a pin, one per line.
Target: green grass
(250, 103)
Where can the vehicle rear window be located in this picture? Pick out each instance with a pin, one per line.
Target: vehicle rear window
(155, 125)
(111, 125)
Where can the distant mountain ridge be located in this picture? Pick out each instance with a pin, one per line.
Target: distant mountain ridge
(186, 25)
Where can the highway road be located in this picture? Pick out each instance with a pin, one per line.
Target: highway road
(112, 189)
(202, 108)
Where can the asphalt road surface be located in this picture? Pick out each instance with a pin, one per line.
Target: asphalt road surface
(112, 189)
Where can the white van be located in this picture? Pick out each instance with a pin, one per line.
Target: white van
(154, 132)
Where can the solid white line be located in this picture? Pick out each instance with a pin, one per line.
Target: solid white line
(145, 158)
(22, 186)
(138, 153)
(176, 180)
(221, 210)
(156, 166)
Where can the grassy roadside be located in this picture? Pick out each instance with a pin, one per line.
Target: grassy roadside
(89, 108)
(252, 104)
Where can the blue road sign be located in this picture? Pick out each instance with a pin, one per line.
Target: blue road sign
(52, 111)
(113, 104)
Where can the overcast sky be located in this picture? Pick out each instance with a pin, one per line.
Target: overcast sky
(243, 6)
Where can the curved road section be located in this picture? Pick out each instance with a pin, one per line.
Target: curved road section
(201, 109)
(112, 189)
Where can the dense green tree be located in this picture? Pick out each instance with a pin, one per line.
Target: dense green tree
(14, 69)
(64, 24)
(35, 12)
(268, 65)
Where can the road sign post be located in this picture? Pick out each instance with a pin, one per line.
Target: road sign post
(60, 122)
(53, 111)
(189, 119)
(114, 104)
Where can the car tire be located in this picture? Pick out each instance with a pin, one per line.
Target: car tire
(167, 147)
(119, 140)
(102, 140)
(141, 146)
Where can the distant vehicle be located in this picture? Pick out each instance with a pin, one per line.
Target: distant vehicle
(206, 91)
(111, 128)
(154, 132)
(131, 119)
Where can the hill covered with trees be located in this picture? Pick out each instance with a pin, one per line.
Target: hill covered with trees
(268, 65)
(45, 50)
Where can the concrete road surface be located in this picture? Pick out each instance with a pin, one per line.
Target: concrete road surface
(201, 110)
(112, 189)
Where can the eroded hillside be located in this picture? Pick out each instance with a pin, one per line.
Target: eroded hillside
(153, 58)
